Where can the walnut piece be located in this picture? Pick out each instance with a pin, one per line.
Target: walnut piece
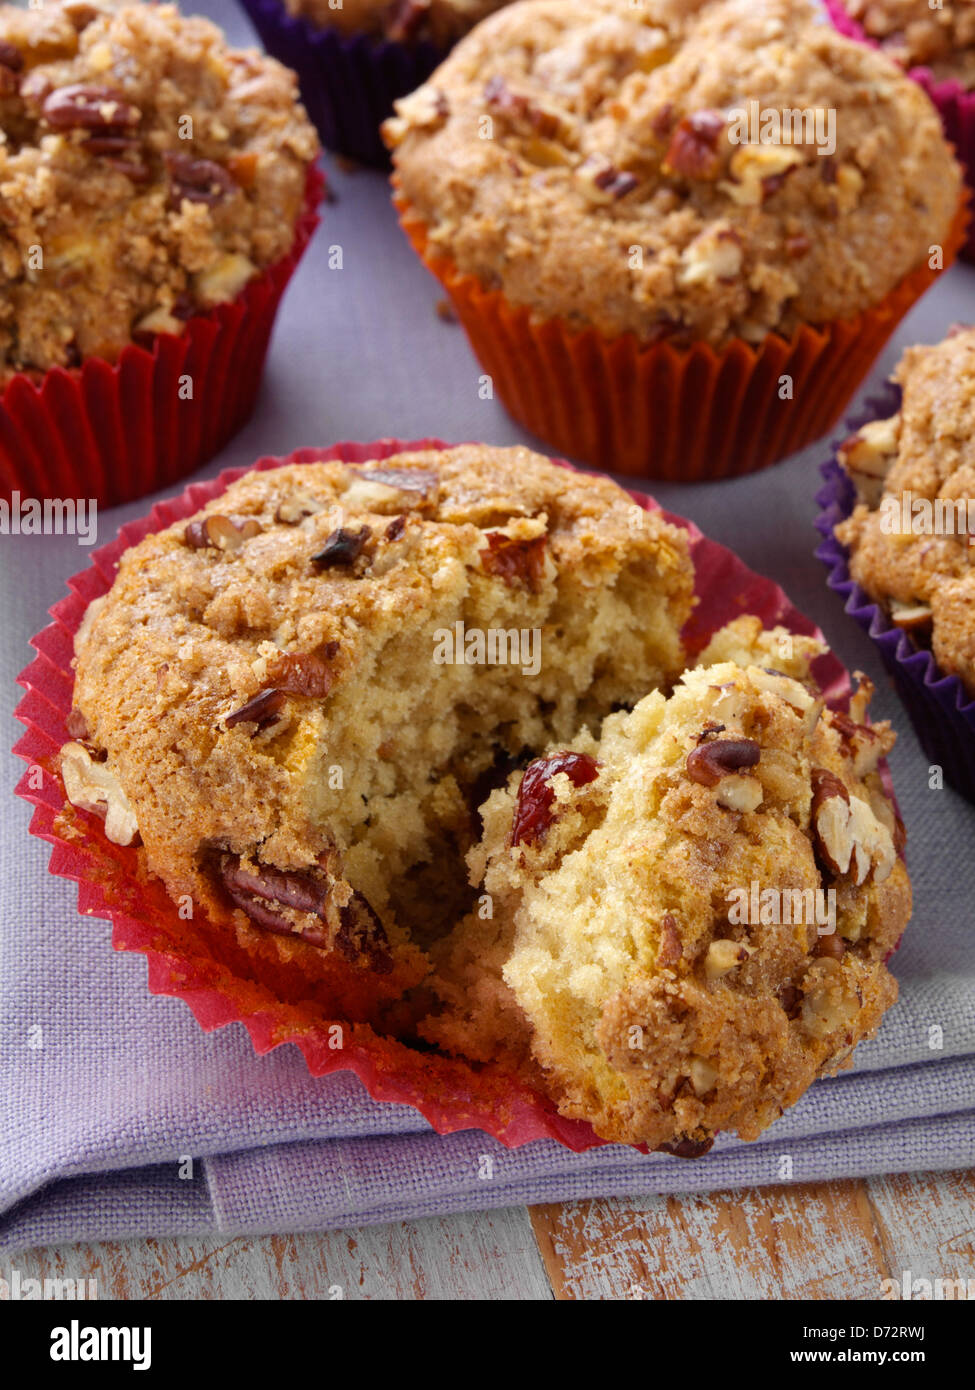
(758, 171)
(723, 957)
(91, 786)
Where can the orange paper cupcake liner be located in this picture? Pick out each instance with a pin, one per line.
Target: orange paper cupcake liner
(655, 411)
(201, 962)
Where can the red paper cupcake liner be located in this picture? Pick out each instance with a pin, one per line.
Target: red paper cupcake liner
(199, 961)
(655, 411)
(348, 81)
(116, 431)
(955, 105)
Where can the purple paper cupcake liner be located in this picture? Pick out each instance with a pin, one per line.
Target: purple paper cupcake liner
(348, 82)
(955, 105)
(939, 707)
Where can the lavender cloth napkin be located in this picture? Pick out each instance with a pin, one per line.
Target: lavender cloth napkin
(119, 1117)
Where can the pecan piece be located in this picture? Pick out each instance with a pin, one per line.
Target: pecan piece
(693, 149)
(709, 762)
(293, 510)
(302, 890)
(602, 182)
(710, 729)
(686, 1148)
(670, 950)
(81, 107)
(390, 490)
(121, 152)
(798, 245)
(533, 813)
(521, 110)
(301, 673)
(361, 933)
(220, 532)
(830, 818)
(198, 180)
(421, 110)
(77, 725)
(342, 548)
(513, 560)
(263, 710)
(80, 13)
(832, 945)
(790, 998)
(868, 457)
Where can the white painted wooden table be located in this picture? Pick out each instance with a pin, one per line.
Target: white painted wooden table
(836, 1240)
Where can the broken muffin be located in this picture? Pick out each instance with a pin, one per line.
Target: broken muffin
(300, 696)
(685, 920)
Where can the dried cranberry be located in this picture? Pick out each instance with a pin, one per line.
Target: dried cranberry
(533, 814)
(515, 561)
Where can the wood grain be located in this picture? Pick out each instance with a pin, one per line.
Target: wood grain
(818, 1240)
(927, 1226)
(490, 1255)
(804, 1241)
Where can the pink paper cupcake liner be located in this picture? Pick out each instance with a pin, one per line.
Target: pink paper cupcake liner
(198, 961)
(955, 105)
(116, 431)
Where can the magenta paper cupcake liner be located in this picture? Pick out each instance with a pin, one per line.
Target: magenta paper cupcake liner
(114, 431)
(348, 82)
(939, 707)
(199, 962)
(955, 105)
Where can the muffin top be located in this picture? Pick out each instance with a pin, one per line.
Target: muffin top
(910, 534)
(612, 166)
(147, 173)
(441, 22)
(916, 33)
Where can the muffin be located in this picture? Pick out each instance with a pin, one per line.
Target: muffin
(935, 43)
(298, 698)
(158, 190)
(620, 960)
(910, 534)
(917, 34)
(355, 59)
(653, 285)
(899, 513)
(306, 784)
